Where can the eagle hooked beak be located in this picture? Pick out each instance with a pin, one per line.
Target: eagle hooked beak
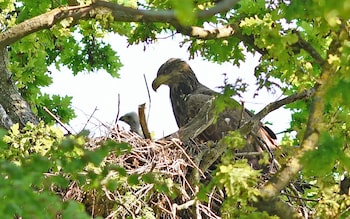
(159, 80)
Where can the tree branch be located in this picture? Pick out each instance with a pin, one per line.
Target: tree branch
(205, 118)
(128, 14)
(248, 126)
(43, 21)
(314, 126)
(218, 33)
(235, 30)
(119, 12)
(5, 119)
(309, 48)
(11, 100)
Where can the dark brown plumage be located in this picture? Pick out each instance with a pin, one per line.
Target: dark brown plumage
(188, 95)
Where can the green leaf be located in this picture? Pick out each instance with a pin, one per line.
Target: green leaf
(339, 93)
(96, 156)
(67, 144)
(322, 160)
(251, 7)
(119, 148)
(184, 11)
(148, 178)
(119, 169)
(133, 179)
(73, 209)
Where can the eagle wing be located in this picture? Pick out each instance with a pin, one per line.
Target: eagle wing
(228, 120)
(260, 139)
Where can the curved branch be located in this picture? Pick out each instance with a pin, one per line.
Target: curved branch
(119, 13)
(218, 33)
(248, 126)
(43, 21)
(128, 14)
(235, 30)
(162, 15)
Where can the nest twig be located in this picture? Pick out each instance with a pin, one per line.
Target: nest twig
(168, 158)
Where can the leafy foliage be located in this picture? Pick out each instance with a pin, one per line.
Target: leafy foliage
(31, 55)
(23, 165)
(238, 179)
(56, 104)
(38, 158)
(41, 162)
(184, 11)
(302, 45)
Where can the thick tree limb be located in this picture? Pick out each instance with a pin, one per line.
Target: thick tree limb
(235, 30)
(218, 33)
(43, 21)
(15, 107)
(5, 120)
(314, 126)
(128, 14)
(119, 13)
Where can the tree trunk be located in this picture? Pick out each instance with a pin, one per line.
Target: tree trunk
(13, 108)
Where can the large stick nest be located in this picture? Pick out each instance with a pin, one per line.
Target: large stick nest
(170, 160)
(173, 165)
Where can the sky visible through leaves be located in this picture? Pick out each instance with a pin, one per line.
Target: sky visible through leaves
(98, 90)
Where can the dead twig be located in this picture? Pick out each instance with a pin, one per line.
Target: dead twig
(57, 120)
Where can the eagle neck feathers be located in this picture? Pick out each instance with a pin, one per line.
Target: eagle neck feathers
(178, 94)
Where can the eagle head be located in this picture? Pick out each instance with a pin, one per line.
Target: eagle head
(172, 72)
(131, 119)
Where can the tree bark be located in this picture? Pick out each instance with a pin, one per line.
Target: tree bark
(14, 109)
(119, 13)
